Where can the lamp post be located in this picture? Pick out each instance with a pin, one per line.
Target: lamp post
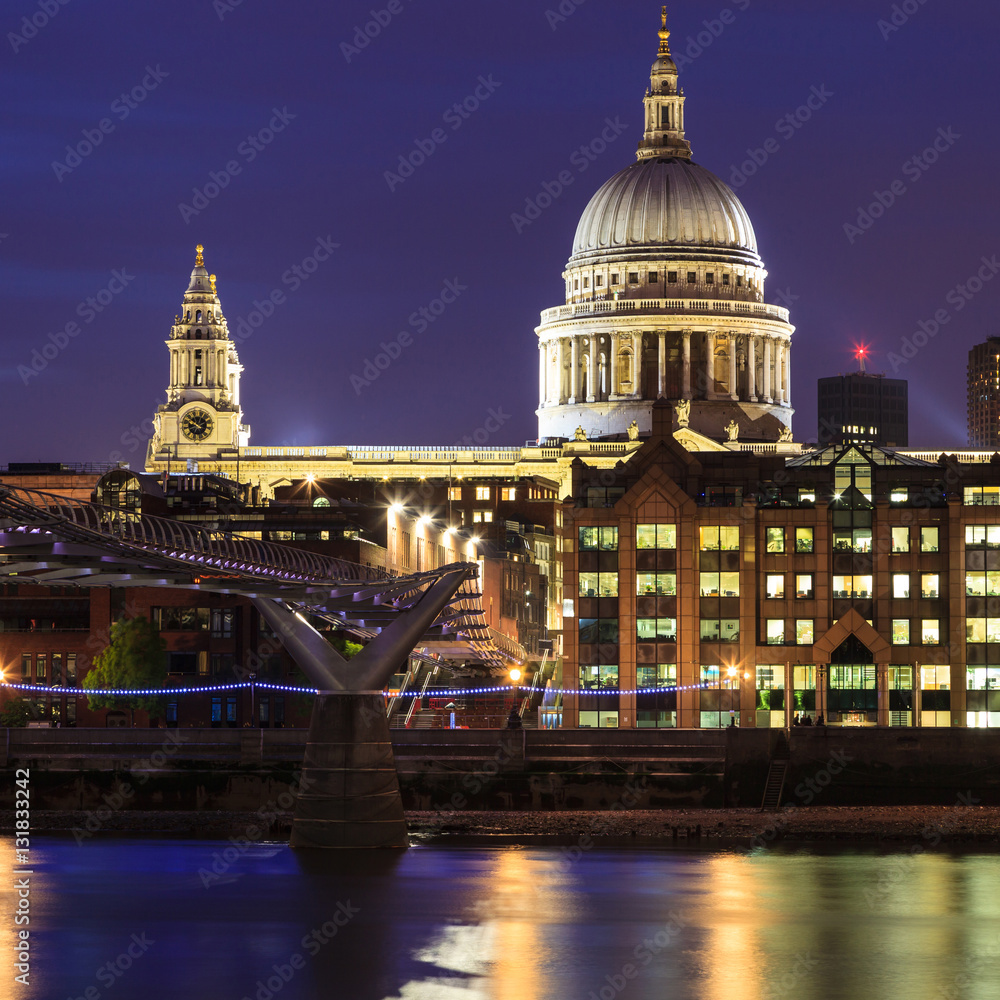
(514, 719)
(253, 714)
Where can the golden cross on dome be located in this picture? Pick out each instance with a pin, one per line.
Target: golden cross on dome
(199, 261)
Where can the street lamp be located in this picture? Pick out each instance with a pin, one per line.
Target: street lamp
(514, 719)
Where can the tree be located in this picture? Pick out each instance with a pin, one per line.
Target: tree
(134, 660)
(15, 714)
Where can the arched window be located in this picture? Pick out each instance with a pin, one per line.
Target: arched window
(197, 334)
(625, 368)
(197, 317)
(321, 502)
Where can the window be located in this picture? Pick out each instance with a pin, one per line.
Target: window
(221, 664)
(454, 492)
(901, 631)
(853, 586)
(774, 539)
(586, 282)
(720, 539)
(804, 631)
(482, 493)
(725, 279)
(774, 631)
(508, 492)
(656, 536)
(598, 585)
(692, 277)
(599, 630)
(26, 668)
(614, 279)
(899, 494)
(853, 540)
(482, 516)
(633, 277)
(671, 277)
(654, 277)
(982, 584)
(222, 623)
(982, 700)
(40, 664)
(598, 677)
(180, 619)
(710, 278)
(594, 539)
(935, 695)
(930, 632)
(928, 539)
(720, 630)
(982, 536)
(803, 539)
(900, 539)
(656, 629)
(901, 585)
(929, 584)
(804, 586)
(774, 586)
(599, 281)
(719, 699)
(660, 584)
(770, 696)
(71, 670)
(720, 584)
(982, 496)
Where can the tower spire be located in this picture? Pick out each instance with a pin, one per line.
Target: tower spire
(664, 132)
(199, 260)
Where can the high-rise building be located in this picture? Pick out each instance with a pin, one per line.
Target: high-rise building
(863, 408)
(984, 395)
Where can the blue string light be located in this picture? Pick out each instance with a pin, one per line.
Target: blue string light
(81, 692)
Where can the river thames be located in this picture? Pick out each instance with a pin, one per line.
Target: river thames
(143, 918)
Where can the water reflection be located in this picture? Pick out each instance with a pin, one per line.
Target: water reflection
(523, 923)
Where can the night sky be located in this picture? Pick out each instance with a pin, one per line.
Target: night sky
(210, 75)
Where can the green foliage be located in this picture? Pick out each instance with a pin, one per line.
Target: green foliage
(344, 646)
(15, 714)
(135, 659)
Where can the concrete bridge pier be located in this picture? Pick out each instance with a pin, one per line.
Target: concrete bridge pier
(349, 793)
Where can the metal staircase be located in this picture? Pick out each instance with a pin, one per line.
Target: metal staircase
(776, 775)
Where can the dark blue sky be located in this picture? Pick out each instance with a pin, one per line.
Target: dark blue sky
(219, 71)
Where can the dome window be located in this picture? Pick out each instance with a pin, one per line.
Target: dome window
(599, 280)
(197, 334)
(576, 284)
(692, 277)
(710, 278)
(614, 279)
(586, 282)
(739, 280)
(671, 277)
(654, 277)
(633, 277)
(725, 279)
(197, 317)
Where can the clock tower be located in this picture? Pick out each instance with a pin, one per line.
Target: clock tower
(201, 419)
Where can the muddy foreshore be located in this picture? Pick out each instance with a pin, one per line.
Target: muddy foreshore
(929, 826)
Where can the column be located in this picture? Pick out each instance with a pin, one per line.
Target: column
(767, 370)
(752, 368)
(636, 373)
(594, 384)
(709, 373)
(561, 369)
(733, 392)
(788, 373)
(779, 371)
(661, 382)
(686, 356)
(574, 369)
(613, 358)
(882, 684)
(543, 354)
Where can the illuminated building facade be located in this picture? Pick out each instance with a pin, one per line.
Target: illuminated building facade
(863, 408)
(984, 395)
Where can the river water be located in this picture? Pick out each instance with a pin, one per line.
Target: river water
(515, 923)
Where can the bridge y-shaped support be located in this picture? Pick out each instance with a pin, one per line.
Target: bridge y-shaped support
(349, 793)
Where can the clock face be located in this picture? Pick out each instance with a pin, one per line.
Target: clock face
(197, 425)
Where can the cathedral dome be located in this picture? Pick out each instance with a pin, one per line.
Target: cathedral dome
(661, 206)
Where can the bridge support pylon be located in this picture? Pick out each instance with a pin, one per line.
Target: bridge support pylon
(349, 794)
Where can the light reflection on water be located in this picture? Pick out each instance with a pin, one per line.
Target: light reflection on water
(438, 923)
